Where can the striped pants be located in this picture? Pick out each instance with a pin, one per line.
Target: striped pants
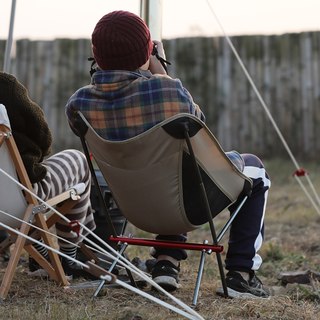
(64, 170)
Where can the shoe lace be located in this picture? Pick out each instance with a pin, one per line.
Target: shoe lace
(255, 286)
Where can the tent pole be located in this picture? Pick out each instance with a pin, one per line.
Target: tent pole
(151, 13)
(6, 65)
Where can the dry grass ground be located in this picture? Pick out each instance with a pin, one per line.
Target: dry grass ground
(291, 244)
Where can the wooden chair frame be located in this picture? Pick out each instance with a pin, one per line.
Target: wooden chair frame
(34, 212)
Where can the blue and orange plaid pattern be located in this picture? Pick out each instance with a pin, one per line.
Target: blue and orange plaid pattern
(122, 104)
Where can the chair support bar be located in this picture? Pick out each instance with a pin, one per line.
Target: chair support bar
(233, 216)
(168, 244)
(110, 227)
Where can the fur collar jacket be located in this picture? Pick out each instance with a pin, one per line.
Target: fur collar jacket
(28, 124)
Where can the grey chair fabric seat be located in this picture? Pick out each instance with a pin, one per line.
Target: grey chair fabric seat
(152, 179)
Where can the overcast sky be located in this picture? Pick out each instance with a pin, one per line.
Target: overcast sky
(47, 19)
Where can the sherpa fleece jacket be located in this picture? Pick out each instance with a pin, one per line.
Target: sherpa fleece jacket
(29, 127)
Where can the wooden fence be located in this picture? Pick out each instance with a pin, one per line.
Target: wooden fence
(284, 68)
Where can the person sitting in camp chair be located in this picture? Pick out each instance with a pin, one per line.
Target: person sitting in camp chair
(51, 176)
(130, 92)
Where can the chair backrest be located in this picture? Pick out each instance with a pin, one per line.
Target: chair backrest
(12, 200)
(148, 175)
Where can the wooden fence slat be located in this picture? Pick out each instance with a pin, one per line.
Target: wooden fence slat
(285, 69)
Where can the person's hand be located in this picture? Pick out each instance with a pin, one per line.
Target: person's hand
(160, 49)
(155, 65)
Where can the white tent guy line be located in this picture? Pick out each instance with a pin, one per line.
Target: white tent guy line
(300, 172)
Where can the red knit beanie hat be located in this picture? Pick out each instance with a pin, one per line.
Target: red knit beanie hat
(121, 41)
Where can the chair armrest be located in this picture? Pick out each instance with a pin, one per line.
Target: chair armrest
(73, 193)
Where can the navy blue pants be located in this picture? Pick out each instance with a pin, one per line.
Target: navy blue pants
(246, 232)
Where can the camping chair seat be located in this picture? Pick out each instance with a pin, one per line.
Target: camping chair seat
(149, 174)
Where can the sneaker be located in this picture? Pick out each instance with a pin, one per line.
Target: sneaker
(76, 270)
(5, 255)
(240, 288)
(165, 274)
(35, 270)
(144, 265)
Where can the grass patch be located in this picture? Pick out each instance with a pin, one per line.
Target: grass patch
(291, 244)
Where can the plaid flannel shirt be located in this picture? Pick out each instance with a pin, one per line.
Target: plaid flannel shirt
(122, 104)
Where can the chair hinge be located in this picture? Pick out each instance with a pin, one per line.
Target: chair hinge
(6, 134)
(74, 195)
(40, 208)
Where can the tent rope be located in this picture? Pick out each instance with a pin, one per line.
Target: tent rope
(108, 278)
(266, 109)
(38, 228)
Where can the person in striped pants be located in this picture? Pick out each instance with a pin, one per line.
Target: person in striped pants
(49, 176)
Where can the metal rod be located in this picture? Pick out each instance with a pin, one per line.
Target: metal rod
(7, 59)
(102, 282)
(151, 13)
(199, 277)
(207, 208)
(232, 217)
(109, 227)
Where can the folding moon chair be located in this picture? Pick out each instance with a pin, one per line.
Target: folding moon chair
(24, 206)
(170, 180)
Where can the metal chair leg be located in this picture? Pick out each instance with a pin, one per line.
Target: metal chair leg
(199, 277)
(207, 209)
(102, 282)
